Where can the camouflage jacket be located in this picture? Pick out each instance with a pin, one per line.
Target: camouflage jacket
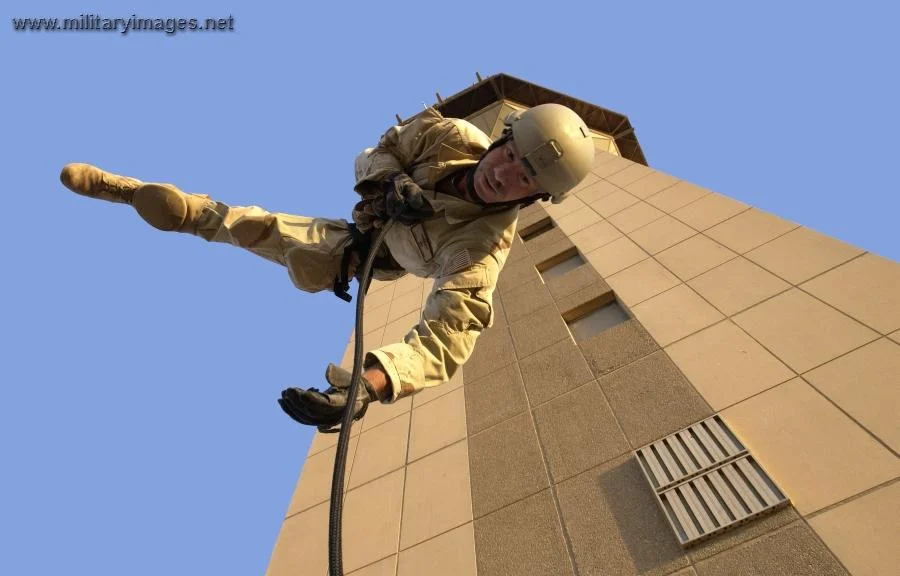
(463, 246)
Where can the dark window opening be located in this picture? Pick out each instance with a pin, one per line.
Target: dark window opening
(536, 229)
(594, 317)
(561, 267)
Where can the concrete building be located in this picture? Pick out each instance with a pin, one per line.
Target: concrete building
(640, 306)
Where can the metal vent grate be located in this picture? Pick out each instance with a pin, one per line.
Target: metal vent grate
(706, 481)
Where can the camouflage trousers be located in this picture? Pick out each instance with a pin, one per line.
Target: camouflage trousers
(310, 248)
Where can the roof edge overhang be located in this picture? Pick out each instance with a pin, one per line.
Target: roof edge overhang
(505, 87)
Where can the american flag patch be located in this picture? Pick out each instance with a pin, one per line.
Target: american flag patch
(459, 261)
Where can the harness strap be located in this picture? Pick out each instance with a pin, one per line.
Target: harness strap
(359, 243)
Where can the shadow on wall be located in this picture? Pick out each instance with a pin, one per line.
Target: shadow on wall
(642, 527)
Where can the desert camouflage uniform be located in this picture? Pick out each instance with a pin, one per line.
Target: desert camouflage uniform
(463, 246)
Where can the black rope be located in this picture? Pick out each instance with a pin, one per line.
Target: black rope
(335, 562)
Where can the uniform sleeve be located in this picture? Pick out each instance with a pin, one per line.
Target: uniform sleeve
(457, 311)
(399, 148)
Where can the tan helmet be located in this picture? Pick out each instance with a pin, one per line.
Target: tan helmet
(555, 144)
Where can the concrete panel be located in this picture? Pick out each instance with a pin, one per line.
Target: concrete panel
(397, 330)
(651, 398)
(694, 256)
(605, 167)
(409, 302)
(615, 524)
(515, 274)
(553, 371)
(526, 299)
(635, 216)
(613, 203)
(617, 347)
(815, 453)
(650, 184)
(749, 229)
(801, 254)
(629, 175)
(595, 191)
(793, 550)
(437, 424)
(450, 554)
(538, 331)
(438, 495)
(677, 196)
(379, 296)
(578, 431)
(506, 465)
(675, 314)
(494, 398)
(379, 413)
(866, 384)
(865, 288)
(385, 567)
(709, 211)
(661, 234)
(617, 255)
(578, 220)
(726, 365)
(642, 281)
(372, 520)
(573, 281)
(493, 349)
(802, 331)
(737, 285)
(382, 449)
(314, 485)
(524, 538)
(595, 236)
(863, 532)
(375, 317)
(302, 544)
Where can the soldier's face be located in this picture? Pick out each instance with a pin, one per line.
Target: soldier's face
(501, 176)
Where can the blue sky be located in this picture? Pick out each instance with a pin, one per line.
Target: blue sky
(139, 432)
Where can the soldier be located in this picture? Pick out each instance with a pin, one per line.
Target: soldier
(455, 196)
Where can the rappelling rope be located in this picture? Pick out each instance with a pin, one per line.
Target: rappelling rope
(335, 563)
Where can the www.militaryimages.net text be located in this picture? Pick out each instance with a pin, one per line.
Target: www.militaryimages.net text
(132, 24)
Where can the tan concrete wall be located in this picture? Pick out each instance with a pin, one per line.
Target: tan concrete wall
(408, 504)
(790, 334)
(522, 464)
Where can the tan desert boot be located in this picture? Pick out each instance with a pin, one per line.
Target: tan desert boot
(163, 206)
(93, 182)
(167, 208)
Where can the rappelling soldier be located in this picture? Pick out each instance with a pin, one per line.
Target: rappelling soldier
(455, 196)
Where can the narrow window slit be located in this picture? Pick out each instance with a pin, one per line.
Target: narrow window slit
(594, 317)
(560, 265)
(536, 229)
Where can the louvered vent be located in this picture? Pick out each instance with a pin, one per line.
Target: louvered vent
(706, 481)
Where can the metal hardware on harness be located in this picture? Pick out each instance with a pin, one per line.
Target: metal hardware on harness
(335, 562)
(359, 243)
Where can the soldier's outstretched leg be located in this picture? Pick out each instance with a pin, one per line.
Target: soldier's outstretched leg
(310, 248)
(162, 206)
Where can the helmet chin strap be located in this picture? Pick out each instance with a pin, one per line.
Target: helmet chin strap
(470, 184)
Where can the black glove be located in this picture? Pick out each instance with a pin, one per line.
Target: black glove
(404, 199)
(325, 410)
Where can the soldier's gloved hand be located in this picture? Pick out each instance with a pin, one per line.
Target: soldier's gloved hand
(325, 410)
(404, 199)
